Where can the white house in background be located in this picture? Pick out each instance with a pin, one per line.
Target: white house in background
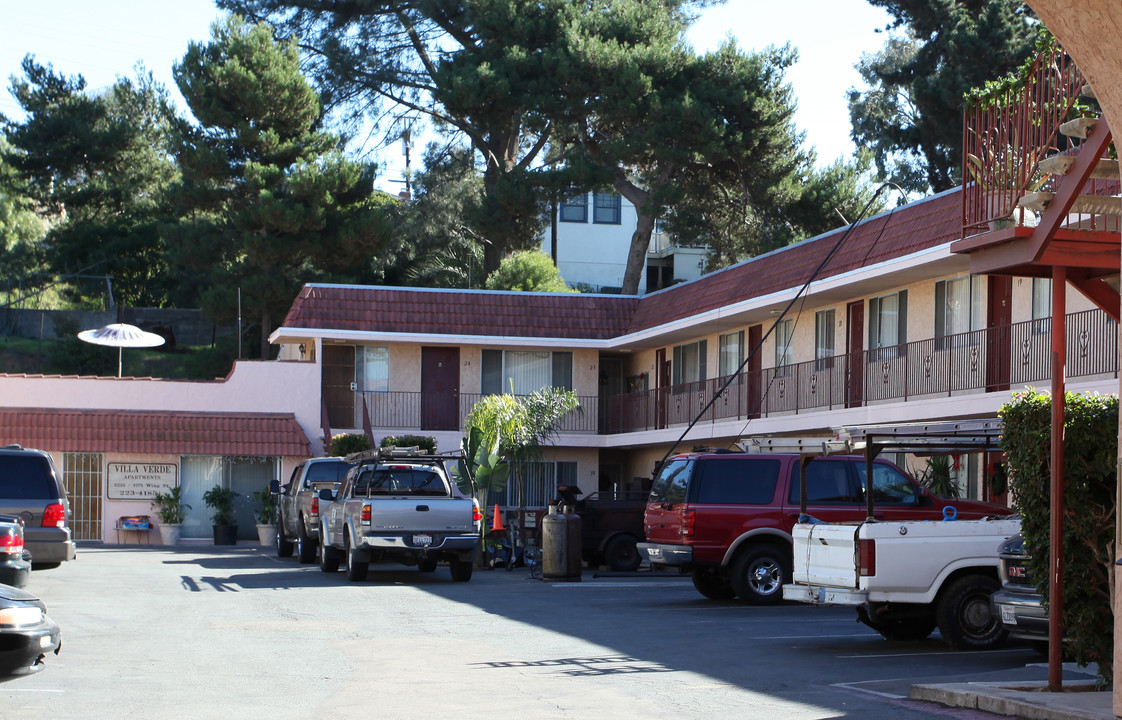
(593, 235)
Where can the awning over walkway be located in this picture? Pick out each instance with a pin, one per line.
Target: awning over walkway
(155, 433)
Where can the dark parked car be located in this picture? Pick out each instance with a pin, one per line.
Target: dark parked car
(1018, 602)
(15, 560)
(30, 489)
(27, 634)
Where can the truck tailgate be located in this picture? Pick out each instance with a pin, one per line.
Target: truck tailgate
(824, 554)
(439, 515)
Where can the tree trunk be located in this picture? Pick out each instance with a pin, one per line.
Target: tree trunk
(641, 238)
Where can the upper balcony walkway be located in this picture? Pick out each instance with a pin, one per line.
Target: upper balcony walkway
(996, 359)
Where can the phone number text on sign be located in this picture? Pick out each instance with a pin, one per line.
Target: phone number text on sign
(140, 481)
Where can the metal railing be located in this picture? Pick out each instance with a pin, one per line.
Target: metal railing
(994, 359)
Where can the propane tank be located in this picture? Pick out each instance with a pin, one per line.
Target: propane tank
(554, 550)
(573, 564)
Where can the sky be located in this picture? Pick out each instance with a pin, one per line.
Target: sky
(102, 39)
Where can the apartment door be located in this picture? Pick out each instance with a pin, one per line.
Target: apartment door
(662, 394)
(854, 353)
(755, 371)
(440, 388)
(999, 320)
(338, 382)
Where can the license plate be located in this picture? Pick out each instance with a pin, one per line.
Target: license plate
(654, 552)
(1008, 617)
(422, 540)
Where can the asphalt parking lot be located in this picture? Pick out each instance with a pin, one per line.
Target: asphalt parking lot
(201, 632)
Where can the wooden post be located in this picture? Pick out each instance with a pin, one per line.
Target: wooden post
(1056, 531)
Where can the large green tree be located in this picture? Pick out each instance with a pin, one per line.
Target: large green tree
(21, 230)
(270, 200)
(911, 114)
(97, 167)
(488, 70)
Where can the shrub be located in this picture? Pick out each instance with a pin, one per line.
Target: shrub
(344, 444)
(424, 442)
(1090, 461)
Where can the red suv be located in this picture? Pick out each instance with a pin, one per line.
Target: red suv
(726, 518)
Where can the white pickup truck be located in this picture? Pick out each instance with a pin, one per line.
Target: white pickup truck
(907, 578)
(398, 505)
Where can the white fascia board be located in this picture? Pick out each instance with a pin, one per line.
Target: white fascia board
(358, 336)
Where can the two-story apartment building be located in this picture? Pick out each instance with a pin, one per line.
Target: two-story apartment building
(872, 324)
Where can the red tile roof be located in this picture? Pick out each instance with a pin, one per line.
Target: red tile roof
(929, 223)
(156, 433)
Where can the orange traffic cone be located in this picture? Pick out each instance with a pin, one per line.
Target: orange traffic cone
(497, 520)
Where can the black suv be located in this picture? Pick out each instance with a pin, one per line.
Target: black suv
(30, 489)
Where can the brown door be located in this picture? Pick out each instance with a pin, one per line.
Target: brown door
(999, 321)
(338, 385)
(854, 354)
(662, 394)
(440, 388)
(755, 370)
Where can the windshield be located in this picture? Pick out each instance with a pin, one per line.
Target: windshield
(670, 485)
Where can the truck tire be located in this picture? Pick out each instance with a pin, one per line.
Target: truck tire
(758, 574)
(305, 545)
(461, 569)
(358, 563)
(284, 545)
(621, 555)
(712, 584)
(328, 560)
(966, 617)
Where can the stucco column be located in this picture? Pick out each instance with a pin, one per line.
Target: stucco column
(1091, 31)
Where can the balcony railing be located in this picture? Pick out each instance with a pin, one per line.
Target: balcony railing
(995, 359)
(988, 360)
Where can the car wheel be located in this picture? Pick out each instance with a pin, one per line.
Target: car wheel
(712, 584)
(328, 561)
(427, 565)
(357, 562)
(622, 555)
(461, 569)
(305, 545)
(284, 545)
(966, 617)
(758, 575)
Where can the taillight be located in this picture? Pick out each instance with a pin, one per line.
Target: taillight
(476, 513)
(688, 522)
(11, 544)
(866, 558)
(54, 515)
(315, 507)
(366, 514)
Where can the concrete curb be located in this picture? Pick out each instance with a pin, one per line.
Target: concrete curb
(1027, 700)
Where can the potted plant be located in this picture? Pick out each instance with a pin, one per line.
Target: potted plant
(221, 501)
(266, 517)
(170, 509)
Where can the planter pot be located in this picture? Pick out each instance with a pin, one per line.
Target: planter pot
(225, 534)
(267, 535)
(169, 534)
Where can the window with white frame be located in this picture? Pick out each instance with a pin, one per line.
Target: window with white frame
(372, 368)
(888, 324)
(824, 339)
(730, 353)
(606, 209)
(521, 372)
(575, 209)
(1041, 305)
(958, 310)
(689, 363)
(784, 349)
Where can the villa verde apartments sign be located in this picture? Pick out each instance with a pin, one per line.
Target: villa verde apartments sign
(140, 481)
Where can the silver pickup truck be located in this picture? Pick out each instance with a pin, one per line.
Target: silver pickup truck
(298, 504)
(401, 506)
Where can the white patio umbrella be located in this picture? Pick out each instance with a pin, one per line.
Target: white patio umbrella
(120, 336)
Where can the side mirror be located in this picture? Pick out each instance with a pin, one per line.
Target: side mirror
(274, 486)
(327, 495)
